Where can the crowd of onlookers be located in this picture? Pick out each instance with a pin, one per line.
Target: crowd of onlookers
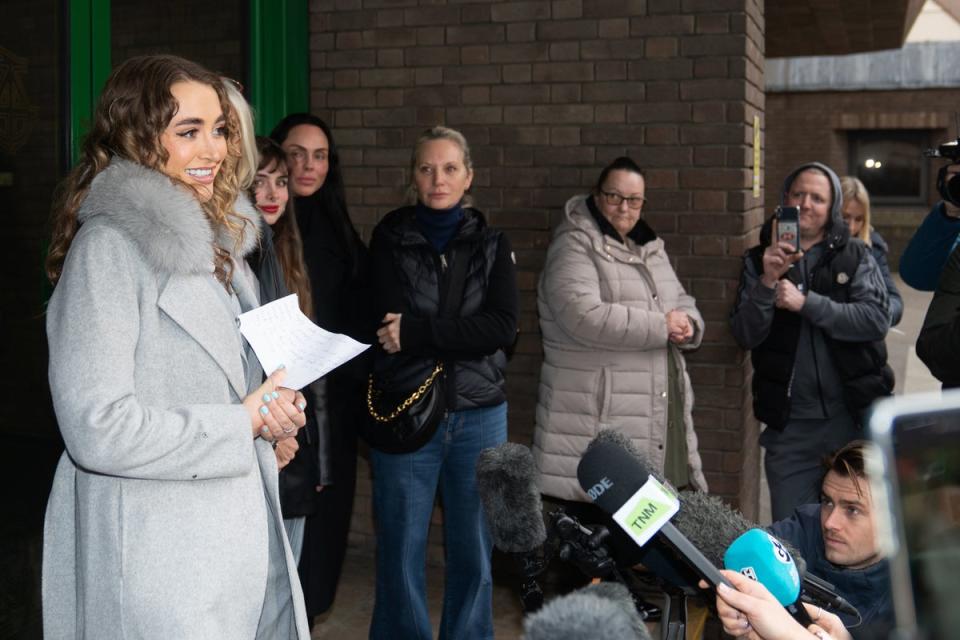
(168, 517)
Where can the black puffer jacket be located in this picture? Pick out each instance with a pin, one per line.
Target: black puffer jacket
(409, 275)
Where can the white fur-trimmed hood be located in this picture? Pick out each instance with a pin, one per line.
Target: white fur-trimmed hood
(164, 219)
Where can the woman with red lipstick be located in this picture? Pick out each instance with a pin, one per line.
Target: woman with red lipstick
(280, 269)
(163, 520)
(414, 252)
(336, 261)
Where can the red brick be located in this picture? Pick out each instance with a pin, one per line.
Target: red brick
(614, 28)
(474, 13)
(623, 91)
(607, 71)
(519, 11)
(614, 8)
(428, 76)
(352, 98)
(350, 59)
(562, 114)
(474, 115)
(564, 51)
(663, 112)
(386, 77)
(661, 25)
(661, 47)
(518, 114)
(565, 136)
(390, 58)
(565, 93)
(610, 113)
(612, 134)
(571, 156)
(713, 23)
(475, 95)
(564, 9)
(663, 91)
(562, 72)
(474, 74)
(712, 45)
(430, 36)
(521, 32)
(349, 40)
(478, 54)
(476, 34)
(662, 134)
(512, 53)
(346, 79)
(426, 56)
(517, 73)
(428, 16)
(378, 38)
(519, 94)
(567, 30)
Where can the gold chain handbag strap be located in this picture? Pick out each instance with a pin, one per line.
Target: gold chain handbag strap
(403, 406)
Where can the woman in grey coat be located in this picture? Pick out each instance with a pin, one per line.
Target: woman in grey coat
(614, 319)
(163, 520)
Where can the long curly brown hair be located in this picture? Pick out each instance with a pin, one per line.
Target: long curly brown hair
(134, 109)
(286, 231)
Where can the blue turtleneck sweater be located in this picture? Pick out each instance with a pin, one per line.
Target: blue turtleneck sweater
(439, 225)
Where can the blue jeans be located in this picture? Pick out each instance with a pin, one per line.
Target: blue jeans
(404, 490)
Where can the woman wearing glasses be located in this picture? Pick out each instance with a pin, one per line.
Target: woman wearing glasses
(614, 320)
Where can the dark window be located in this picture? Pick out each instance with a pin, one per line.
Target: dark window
(891, 164)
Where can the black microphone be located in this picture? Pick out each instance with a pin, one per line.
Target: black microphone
(605, 610)
(611, 476)
(823, 594)
(506, 484)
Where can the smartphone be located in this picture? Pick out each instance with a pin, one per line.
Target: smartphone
(788, 226)
(915, 483)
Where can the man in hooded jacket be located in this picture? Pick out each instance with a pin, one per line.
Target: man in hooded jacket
(814, 322)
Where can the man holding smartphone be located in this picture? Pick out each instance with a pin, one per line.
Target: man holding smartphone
(814, 317)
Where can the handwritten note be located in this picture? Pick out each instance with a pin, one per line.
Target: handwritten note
(280, 334)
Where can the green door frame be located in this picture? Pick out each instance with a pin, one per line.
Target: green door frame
(279, 60)
(89, 64)
(278, 74)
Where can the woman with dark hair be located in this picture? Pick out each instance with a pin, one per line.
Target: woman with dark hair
(336, 260)
(278, 263)
(163, 519)
(446, 295)
(615, 321)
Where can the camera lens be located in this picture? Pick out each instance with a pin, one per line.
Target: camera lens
(953, 189)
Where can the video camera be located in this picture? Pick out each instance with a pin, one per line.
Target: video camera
(948, 186)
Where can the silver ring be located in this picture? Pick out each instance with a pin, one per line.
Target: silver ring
(819, 613)
(288, 431)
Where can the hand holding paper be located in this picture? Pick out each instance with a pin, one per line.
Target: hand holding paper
(280, 334)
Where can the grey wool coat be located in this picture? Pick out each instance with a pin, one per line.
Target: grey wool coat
(157, 523)
(603, 309)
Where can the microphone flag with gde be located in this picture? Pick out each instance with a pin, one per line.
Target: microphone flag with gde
(621, 485)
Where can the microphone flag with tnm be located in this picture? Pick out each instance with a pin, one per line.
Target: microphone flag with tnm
(619, 484)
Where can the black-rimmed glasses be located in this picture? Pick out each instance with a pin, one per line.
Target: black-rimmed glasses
(615, 199)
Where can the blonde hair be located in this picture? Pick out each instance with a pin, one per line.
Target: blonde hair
(134, 110)
(854, 191)
(248, 144)
(439, 132)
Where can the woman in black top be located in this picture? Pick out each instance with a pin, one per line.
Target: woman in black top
(336, 260)
(414, 252)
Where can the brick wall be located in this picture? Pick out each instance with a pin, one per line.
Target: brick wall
(547, 93)
(213, 34)
(813, 126)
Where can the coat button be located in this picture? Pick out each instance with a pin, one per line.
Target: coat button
(194, 476)
(660, 446)
(663, 394)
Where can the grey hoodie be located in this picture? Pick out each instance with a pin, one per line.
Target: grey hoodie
(816, 389)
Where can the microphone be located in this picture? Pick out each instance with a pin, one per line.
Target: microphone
(823, 594)
(621, 485)
(604, 610)
(761, 557)
(511, 501)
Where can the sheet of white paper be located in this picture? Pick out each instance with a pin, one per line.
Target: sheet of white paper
(280, 334)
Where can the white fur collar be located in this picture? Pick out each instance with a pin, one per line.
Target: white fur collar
(163, 218)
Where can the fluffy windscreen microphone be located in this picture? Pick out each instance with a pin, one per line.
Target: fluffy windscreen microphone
(603, 611)
(709, 524)
(506, 481)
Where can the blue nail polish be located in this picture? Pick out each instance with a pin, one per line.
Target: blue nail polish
(267, 398)
(302, 405)
(275, 395)
(264, 411)
(265, 430)
(281, 366)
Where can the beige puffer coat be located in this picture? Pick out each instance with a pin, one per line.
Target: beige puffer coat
(603, 309)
